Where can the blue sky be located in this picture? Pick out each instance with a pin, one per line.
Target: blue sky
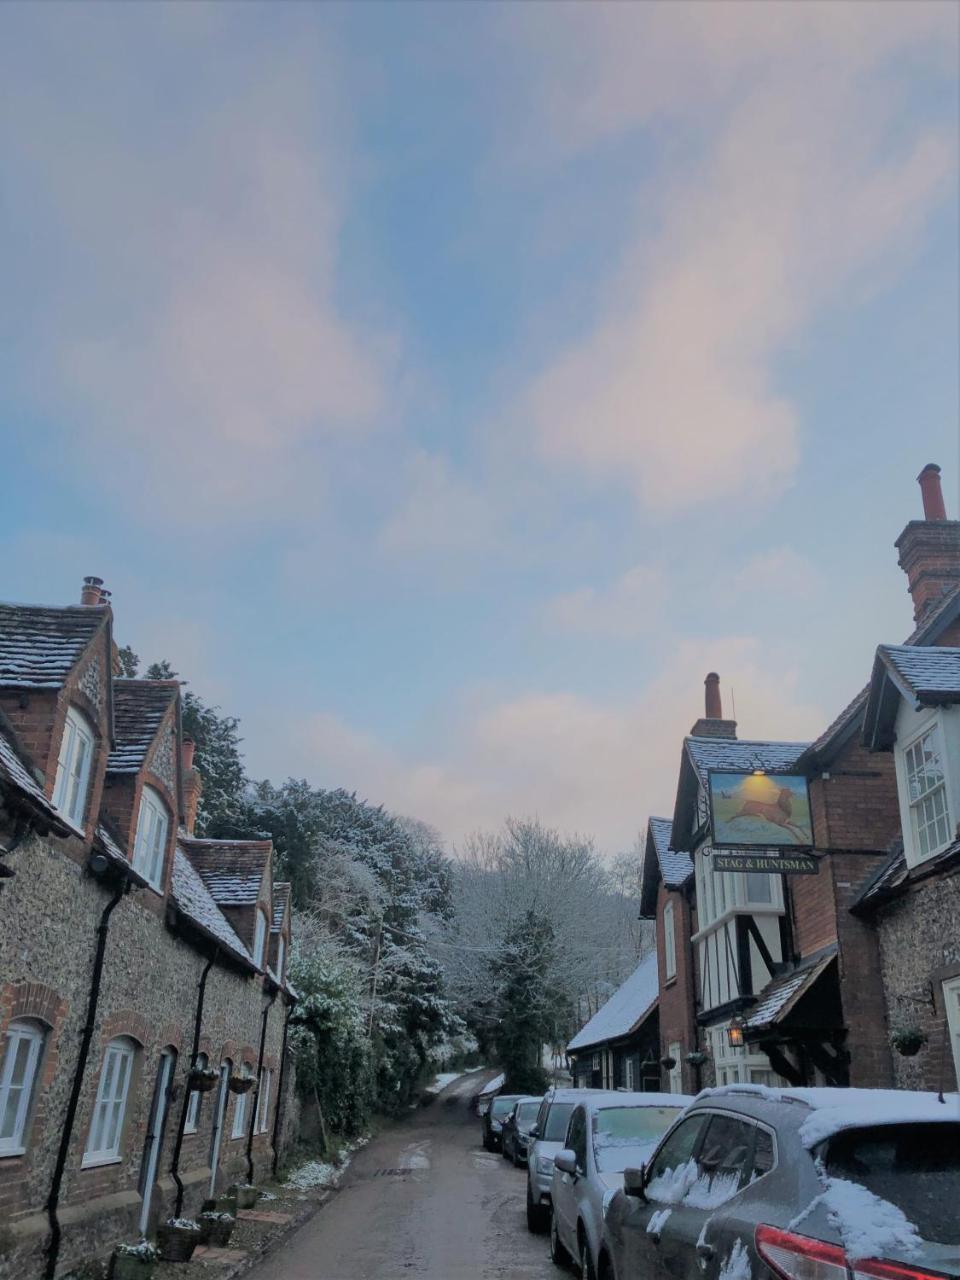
(445, 389)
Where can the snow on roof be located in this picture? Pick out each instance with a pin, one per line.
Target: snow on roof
(833, 1110)
(232, 870)
(195, 901)
(111, 847)
(628, 1005)
(14, 770)
(675, 868)
(929, 673)
(737, 754)
(783, 992)
(39, 645)
(138, 709)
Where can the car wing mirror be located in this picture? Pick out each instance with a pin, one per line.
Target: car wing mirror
(534, 1132)
(566, 1161)
(635, 1181)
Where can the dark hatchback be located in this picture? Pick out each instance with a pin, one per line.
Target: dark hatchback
(492, 1125)
(515, 1138)
(794, 1184)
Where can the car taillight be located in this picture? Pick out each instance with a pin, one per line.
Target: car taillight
(799, 1257)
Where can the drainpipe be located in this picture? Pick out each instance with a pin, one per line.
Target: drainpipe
(278, 1109)
(53, 1200)
(181, 1127)
(253, 1110)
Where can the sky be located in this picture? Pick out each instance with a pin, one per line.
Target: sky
(445, 389)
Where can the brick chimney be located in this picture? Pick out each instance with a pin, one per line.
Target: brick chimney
(192, 784)
(930, 548)
(91, 593)
(712, 724)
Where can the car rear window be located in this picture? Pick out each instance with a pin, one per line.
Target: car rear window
(502, 1107)
(557, 1119)
(626, 1133)
(527, 1114)
(914, 1166)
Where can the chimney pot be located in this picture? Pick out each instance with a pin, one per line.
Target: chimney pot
(929, 480)
(713, 707)
(91, 593)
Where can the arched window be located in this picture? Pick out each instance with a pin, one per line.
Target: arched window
(239, 1115)
(73, 767)
(23, 1047)
(259, 938)
(109, 1111)
(196, 1098)
(151, 842)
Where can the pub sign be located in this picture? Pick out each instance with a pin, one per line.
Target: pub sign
(759, 810)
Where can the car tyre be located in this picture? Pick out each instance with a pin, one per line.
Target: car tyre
(559, 1256)
(536, 1218)
(587, 1271)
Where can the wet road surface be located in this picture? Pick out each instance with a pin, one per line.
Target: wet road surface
(424, 1200)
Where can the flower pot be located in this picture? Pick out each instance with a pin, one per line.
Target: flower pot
(202, 1082)
(908, 1043)
(241, 1084)
(176, 1244)
(246, 1197)
(216, 1229)
(127, 1266)
(668, 1062)
(227, 1204)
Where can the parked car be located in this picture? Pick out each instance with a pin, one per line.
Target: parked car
(546, 1139)
(498, 1111)
(482, 1100)
(604, 1136)
(791, 1184)
(516, 1129)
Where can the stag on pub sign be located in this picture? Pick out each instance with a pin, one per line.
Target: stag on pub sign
(765, 810)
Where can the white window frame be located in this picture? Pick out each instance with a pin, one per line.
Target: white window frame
(259, 938)
(20, 1033)
(192, 1122)
(150, 846)
(933, 729)
(239, 1116)
(628, 1075)
(669, 943)
(110, 1107)
(73, 767)
(261, 1124)
(951, 1000)
(675, 1051)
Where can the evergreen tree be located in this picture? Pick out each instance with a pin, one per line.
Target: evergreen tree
(526, 1003)
(129, 662)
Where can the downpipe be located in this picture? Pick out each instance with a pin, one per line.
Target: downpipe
(256, 1106)
(281, 1080)
(181, 1127)
(93, 1000)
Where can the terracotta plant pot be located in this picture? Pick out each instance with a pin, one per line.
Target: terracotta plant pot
(176, 1244)
(125, 1266)
(246, 1197)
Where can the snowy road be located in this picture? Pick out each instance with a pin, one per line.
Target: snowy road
(424, 1200)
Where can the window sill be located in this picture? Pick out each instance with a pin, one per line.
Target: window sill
(9, 1152)
(97, 1162)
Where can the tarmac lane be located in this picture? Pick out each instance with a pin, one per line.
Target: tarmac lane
(422, 1200)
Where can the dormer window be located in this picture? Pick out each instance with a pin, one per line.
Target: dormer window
(259, 939)
(73, 768)
(926, 794)
(153, 825)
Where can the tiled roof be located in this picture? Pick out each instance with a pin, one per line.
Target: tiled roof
(138, 708)
(891, 875)
(929, 673)
(281, 896)
(782, 993)
(848, 717)
(232, 870)
(675, 868)
(628, 1006)
(939, 615)
(736, 754)
(39, 645)
(111, 847)
(15, 773)
(192, 897)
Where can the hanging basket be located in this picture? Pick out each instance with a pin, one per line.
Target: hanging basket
(241, 1084)
(668, 1062)
(202, 1080)
(216, 1228)
(909, 1041)
(696, 1059)
(177, 1239)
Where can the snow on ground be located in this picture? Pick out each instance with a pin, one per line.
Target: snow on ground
(442, 1079)
(496, 1083)
(318, 1173)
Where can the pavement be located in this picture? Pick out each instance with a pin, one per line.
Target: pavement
(423, 1200)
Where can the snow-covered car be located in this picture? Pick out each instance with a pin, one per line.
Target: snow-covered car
(482, 1100)
(604, 1136)
(546, 1139)
(755, 1183)
(492, 1123)
(516, 1129)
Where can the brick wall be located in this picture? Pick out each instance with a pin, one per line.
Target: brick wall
(855, 805)
(677, 997)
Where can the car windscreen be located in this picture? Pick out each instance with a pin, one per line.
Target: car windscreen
(623, 1136)
(557, 1118)
(527, 1115)
(502, 1107)
(913, 1166)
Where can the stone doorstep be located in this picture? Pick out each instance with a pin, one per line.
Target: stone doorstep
(260, 1215)
(210, 1253)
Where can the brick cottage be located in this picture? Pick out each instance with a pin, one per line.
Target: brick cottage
(135, 958)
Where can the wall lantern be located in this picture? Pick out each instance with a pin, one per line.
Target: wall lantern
(735, 1034)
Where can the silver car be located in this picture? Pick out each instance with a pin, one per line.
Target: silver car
(794, 1184)
(546, 1139)
(605, 1135)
